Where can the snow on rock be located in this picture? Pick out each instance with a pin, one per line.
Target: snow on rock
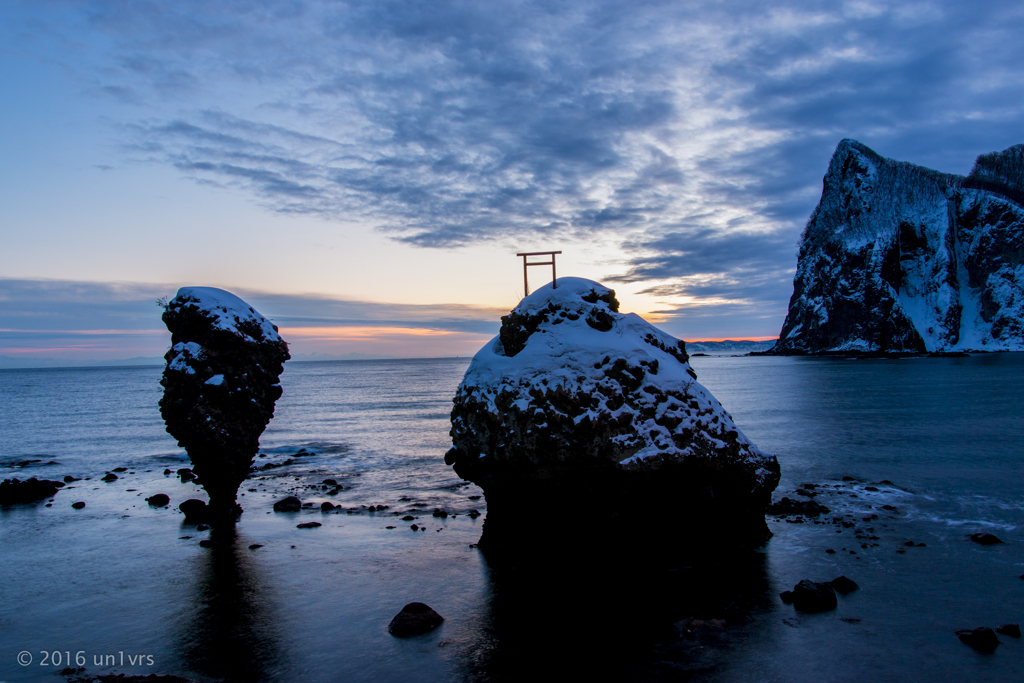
(220, 387)
(901, 258)
(575, 396)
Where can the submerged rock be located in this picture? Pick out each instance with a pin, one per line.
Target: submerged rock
(195, 511)
(813, 597)
(982, 638)
(985, 539)
(289, 504)
(220, 386)
(787, 506)
(13, 491)
(1012, 630)
(414, 619)
(575, 402)
(843, 585)
(159, 500)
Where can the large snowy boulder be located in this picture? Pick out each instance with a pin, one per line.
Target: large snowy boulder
(574, 403)
(220, 386)
(901, 258)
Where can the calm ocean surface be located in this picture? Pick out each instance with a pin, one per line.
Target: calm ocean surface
(313, 604)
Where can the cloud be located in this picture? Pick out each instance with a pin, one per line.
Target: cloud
(100, 321)
(701, 129)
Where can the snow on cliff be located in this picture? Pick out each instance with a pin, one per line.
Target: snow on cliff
(570, 379)
(897, 257)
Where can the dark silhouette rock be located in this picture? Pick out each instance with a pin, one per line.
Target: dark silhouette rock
(843, 585)
(1012, 630)
(414, 619)
(786, 597)
(985, 539)
(308, 525)
(326, 506)
(79, 505)
(220, 386)
(195, 510)
(109, 476)
(574, 401)
(812, 597)
(159, 500)
(289, 504)
(15, 491)
(982, 639)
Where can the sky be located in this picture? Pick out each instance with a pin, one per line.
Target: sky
(363, 173)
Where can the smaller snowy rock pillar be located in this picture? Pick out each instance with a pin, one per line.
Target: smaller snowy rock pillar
(578, 409)
(220, 386)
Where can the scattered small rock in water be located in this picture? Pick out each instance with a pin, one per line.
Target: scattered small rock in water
(1012, 630)
(68, 479)
(414, 527)
(390, 527)
(308, 525)
(253, 546)
(922, 545)
(289, 504)
(440, 513)
(985, 539)
(168, 471)
(473, 514)
(79, 505)
(206, 543)
(109, 476)
(159, 500)
(787, 506)
(327, 506)
(195, 511)
(408, 518)
(909, 544)
(830, 551)
(870, 488)
(890, 508)
(813, 597)
(330, 482)
(982, 639)
(843, 585)
(414, 619)
(786, 597)
(119, 469)
(848, 478)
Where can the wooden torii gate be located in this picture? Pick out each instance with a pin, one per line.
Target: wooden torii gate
(527, 264)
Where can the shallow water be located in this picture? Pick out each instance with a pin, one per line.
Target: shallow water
(313, 604)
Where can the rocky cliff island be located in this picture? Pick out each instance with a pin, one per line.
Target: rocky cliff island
(580, 410)
(900, 258)
(220, 386)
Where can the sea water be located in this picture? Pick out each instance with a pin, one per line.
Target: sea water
(128, 587)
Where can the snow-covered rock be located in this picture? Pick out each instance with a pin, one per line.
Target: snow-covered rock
(574, 400)
(897, 257)
(220, 386)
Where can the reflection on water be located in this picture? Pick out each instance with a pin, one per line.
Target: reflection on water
(233, 634)
(619, 618)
